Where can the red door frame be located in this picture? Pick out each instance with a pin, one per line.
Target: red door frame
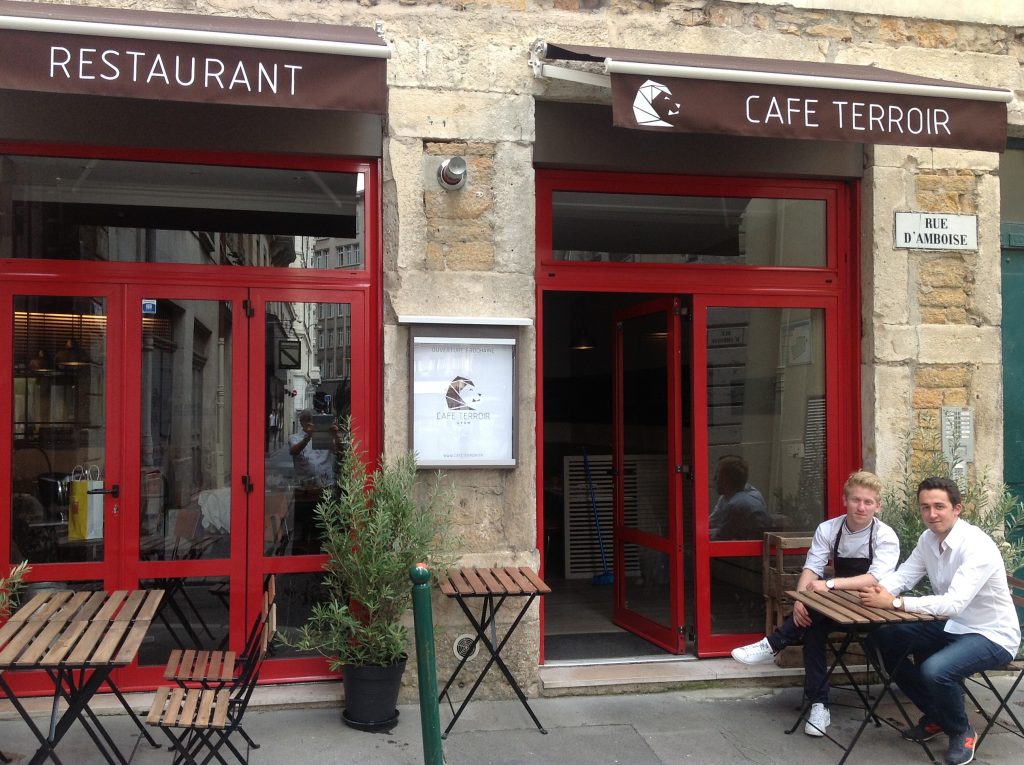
(838, 281)
(363, 288)
(668, 636)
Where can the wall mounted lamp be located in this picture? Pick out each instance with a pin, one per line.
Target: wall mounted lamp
(451, 175)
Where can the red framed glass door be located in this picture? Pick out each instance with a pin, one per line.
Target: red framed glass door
(765, 458)
(312, 347)
(649, 465)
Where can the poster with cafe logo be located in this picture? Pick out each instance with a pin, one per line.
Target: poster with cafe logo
(463, 401)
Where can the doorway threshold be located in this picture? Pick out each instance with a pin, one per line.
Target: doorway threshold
(567, 678)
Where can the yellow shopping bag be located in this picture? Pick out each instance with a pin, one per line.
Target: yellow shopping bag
(85, 515)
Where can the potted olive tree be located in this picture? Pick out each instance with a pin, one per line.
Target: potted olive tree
(374, 526)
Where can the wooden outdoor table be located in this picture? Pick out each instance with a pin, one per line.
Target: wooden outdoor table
(492, 586)
(844, 608)
(78, 639)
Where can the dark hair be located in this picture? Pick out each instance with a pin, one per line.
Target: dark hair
(941, 484)
(733, 471)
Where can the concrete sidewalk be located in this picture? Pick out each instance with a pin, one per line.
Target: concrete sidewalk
(710, 725)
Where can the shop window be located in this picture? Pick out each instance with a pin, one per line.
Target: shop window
(607, 227)
(145, 212)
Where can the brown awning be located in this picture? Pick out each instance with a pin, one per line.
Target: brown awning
(181, 57)
(685, 92)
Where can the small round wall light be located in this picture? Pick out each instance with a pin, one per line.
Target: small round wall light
(452, 174)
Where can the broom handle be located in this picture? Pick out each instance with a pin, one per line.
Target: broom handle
(593, 506)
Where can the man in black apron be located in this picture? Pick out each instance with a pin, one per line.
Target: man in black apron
(862, 550)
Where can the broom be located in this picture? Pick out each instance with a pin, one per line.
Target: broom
(605, 577)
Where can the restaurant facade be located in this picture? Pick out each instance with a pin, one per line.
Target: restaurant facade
(602, 275)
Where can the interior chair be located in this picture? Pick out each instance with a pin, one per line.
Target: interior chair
(981, 682)
(204, 719)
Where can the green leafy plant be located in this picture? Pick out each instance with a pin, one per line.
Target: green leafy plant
(10, 587)
(987, 505)
(374, 528)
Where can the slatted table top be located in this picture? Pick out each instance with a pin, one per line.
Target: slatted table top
(844, 607)
(476, 582)
(78, 629)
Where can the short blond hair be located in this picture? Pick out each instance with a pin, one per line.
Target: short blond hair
(864, 479)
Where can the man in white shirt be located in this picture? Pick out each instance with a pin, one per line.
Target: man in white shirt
(979, 629)
(862, 550)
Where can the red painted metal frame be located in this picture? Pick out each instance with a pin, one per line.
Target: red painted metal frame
(836, 287)
(667, 636)
(362, 288)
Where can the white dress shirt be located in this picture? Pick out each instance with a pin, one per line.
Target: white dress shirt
(969, 581)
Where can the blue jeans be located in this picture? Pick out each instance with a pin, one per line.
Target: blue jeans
(814, 638)
(940, 660)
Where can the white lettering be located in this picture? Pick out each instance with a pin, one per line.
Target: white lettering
(294, 70)
(774, 111)
(158, 71)
(913, 112)
(111, 65)
(839, 111)
(85, 61)
(750, 118)
(150, 68)
(214, 71)
(240, 77)
(875, 114)
(177, 71)
(809, 112)
(134, 55)
(63, 65)
(895, 119)
(264, 76)
(856, 114)
(941, 120)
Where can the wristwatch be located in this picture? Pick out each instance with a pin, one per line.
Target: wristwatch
(897, 603)
(830, 584)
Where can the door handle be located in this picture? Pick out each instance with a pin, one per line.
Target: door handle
(114, 491)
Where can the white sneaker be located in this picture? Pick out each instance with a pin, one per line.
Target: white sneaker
(755, 653)
(818, 720)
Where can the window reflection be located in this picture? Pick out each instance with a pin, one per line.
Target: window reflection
(766, 420)
(146, 212)
(650, 228)
(185, 444)
(308, 398)
(59, 429)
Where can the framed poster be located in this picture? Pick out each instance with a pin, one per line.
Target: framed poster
(463, 401)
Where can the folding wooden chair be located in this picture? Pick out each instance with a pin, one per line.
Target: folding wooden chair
(215, 669)
(984, 680)
(198, 720)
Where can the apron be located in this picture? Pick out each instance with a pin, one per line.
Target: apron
(847, 567)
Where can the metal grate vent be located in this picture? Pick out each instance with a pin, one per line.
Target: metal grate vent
(464, 645)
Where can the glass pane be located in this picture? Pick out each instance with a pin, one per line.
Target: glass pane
(308, 394)
(645, 414)
(59, 429)
(737, 596)
(186, 430)
(647, 582)
(296, 596)
(722, 231)
(193, 614)
(766, 420)
(149, 212)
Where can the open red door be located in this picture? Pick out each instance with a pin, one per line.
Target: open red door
(649, 472)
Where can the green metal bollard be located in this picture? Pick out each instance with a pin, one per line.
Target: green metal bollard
(426, 662)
